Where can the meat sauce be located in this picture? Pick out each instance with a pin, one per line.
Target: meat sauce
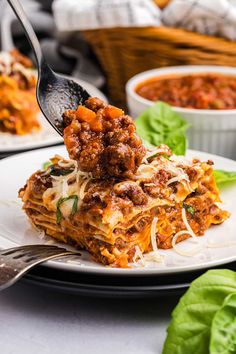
(200, 91)
(103, 140)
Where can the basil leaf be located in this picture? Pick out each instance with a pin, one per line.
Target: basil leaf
(75, 205)
(62, 200)
(58, 215)
(189, 208)
(159, 124)
(59, 172)
(147, 144)
(46, 164)
(223, 330)
(222, 177)
(190, 328)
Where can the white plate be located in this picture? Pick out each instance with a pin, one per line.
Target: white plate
(47, 136)
(15, 228)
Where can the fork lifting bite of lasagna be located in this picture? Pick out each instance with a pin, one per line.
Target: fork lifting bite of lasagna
(115, 198)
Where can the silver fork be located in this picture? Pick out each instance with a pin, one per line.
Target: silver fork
(15, 262)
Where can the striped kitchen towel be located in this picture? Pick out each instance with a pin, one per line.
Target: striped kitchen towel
(213, 17)
(71, 15)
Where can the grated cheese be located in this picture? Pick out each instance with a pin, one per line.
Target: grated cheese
(82, 188)
(64, 188)
(138, 254)
(188, 227)
(191, 253)
(174, 179)
(66, 185)
(153, 257)
(180, 160)
(189, 232)
(157, 256)
(153, 234)
(153, 153)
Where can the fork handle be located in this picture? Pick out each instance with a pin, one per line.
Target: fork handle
(11, 272)
(29, 31)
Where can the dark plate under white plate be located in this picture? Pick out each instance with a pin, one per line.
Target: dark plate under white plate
(91, 284)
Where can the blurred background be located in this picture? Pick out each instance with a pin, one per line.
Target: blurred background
(67, 53)
(106, 42)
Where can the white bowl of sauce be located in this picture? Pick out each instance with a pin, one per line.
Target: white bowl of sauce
(205, 96)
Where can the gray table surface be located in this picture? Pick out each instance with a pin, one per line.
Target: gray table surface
(35, 320)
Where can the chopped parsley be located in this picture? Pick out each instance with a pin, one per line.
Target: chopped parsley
(61, 201)
(189, 208)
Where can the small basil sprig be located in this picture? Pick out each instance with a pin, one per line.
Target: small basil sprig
(55, 170)
(222, 177)
(189, 208)
(61, 201)
(159, 124)
(59, 172)
(46, 164)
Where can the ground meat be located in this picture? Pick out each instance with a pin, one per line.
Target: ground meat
(132, 191)
(95, 104)
(192, 174)
(93, 198)
(210, 162)
(40, 183)
(103, 140)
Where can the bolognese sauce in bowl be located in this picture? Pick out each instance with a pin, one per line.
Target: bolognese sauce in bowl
(205, 96)
(199, 91)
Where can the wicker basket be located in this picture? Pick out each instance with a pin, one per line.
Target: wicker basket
(124, 52)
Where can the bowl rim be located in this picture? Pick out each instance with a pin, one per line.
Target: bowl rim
(138, 78)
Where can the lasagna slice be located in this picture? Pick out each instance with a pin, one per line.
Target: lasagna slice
(165, 200)
(18, 104)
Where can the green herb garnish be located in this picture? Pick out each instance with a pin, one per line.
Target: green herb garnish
(222, 177)
(59, 171)
(61, 201)
(46, 164)
(159, 124)
(189, 208)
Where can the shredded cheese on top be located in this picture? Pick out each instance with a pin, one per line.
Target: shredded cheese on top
(138, 254)
(157, 256)
(189, 232)
(188, 227)
(82, 188)
(63, 186)
(153, 234)
(153, 153)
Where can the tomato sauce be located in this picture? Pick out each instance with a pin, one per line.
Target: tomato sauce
(200, 91)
